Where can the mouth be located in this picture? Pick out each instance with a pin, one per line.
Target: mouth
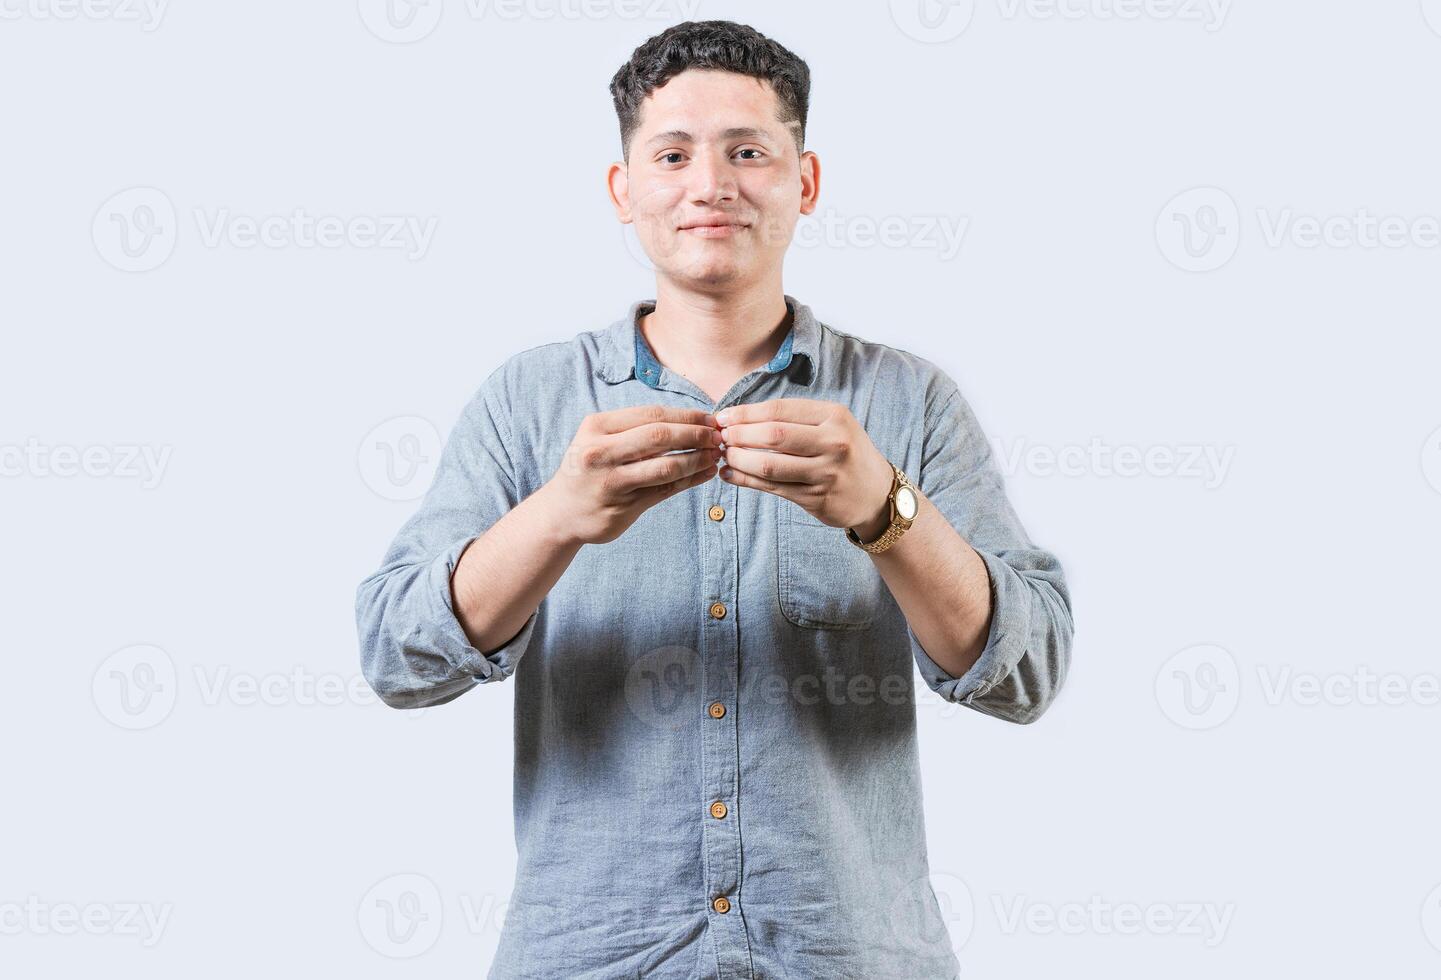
(718, 226)
(717, 229)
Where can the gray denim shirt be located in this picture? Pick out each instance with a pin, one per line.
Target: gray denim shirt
(720, 703)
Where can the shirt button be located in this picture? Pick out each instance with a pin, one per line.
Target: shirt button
(717, 512)
(718, 610)
(717, 710)
(721, 904)
(718, 810)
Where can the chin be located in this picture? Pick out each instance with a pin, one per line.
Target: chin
(709, 273)
(706, 269)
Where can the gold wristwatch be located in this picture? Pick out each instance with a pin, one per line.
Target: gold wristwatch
(904, 506)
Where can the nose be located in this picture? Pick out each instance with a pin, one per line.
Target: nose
(712, 179)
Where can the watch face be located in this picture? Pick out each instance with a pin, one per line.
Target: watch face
(906, 503)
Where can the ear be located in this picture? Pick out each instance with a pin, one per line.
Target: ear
(810, 181)
(617, 182)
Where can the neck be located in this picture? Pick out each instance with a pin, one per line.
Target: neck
(716, 335)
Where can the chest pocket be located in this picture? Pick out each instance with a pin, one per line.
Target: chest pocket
(824, 581)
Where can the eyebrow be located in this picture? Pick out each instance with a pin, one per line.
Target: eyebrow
(735, 132)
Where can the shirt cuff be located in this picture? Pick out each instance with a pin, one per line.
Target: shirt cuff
(1005, 644)
(496, 665)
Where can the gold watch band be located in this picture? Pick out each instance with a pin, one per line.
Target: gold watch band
(897, 527)
(887, 538)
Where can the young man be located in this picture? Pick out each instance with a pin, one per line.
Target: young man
(716, 765)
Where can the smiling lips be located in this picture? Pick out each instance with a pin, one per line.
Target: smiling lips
(714, 227)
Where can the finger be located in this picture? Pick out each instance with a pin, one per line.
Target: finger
(771, 467)
(653, 438)
(811, 411)
(795, 438)
(660, 470)
(787, 490)
(702, 476)
(621, 419)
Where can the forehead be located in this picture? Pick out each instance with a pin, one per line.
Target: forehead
(704, 102)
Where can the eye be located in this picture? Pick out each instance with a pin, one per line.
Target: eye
(665, 158)
(750, 149)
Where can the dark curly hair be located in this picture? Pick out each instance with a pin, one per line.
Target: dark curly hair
(715, 44)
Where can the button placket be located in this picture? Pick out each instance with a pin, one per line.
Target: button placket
(720, 832)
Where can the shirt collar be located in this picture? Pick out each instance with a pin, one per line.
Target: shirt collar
(624, 353)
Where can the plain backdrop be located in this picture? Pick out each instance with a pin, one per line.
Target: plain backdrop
(1193, 302)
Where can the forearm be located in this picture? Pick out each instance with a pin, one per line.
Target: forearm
(503, 575)
(942, 587)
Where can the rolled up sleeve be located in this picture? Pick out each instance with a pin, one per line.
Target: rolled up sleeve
(1028, 649)
(413, 650)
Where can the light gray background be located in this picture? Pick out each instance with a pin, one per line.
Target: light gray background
(187, 733)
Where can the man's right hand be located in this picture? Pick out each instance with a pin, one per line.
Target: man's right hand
(621, 463)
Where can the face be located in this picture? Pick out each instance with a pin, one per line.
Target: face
(714, 184)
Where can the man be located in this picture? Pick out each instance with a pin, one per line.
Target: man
(716, 767)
